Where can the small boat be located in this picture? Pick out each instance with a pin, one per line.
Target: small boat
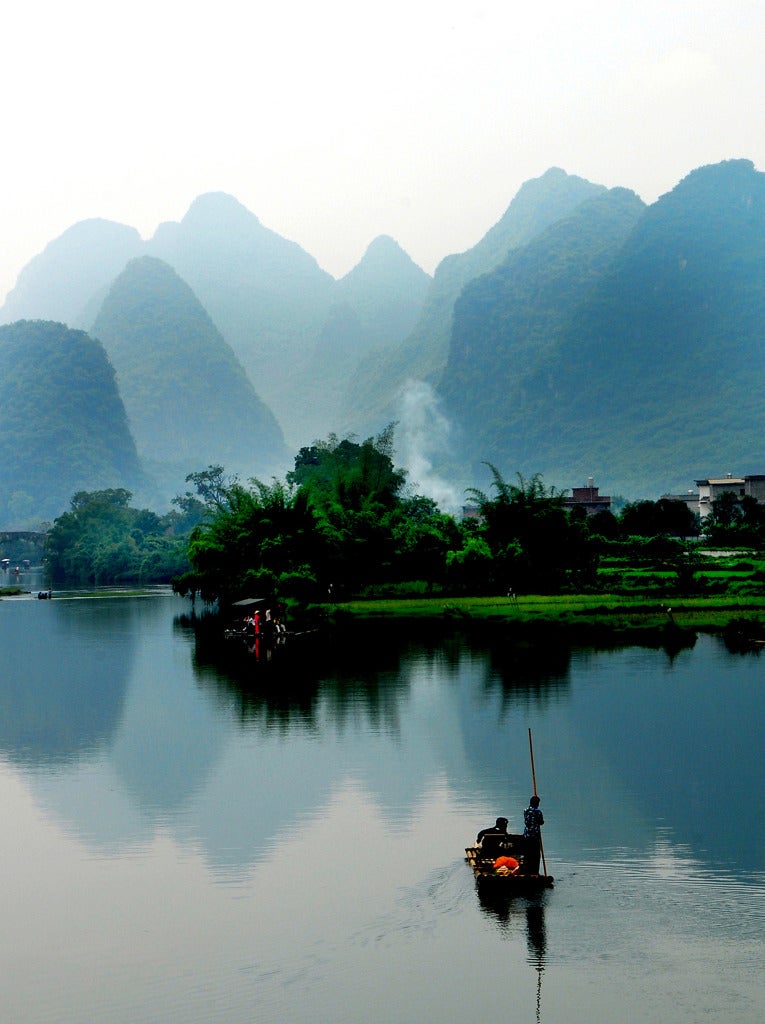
(258, 621)
(498, 862)
(517, 884)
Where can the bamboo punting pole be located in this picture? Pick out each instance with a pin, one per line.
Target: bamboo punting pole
(534, 783)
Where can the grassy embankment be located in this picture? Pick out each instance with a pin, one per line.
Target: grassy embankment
(626, 598)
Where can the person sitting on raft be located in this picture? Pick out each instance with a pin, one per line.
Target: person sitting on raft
(494, 839)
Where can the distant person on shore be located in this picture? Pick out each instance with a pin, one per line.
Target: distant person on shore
(533, 820)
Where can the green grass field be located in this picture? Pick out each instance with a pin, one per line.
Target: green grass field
(617, 610)
(626, 598)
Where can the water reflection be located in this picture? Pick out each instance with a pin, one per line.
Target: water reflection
(627, 741)
(62, 697)
(369, 667)
(509, 911)
(222, 806)
(302, 680)
(512, 914)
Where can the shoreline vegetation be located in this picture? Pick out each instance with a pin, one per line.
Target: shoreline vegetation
(612, 613)
(615, 612)
(573, 619)
(343, 539)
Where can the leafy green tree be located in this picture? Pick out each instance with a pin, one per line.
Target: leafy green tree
(350, 474)
(422, 538)
(470, 566)
(78, 542)
(735, 521)
(102, 539)
(251, 537)
(604, 524)
(530, 535)
(354, 492)
(664, 517)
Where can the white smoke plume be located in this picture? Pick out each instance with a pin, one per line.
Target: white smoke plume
(421, 434)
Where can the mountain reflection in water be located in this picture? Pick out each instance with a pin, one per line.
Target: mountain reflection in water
(208, 837)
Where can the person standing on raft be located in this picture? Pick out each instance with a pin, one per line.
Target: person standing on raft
(533, 819)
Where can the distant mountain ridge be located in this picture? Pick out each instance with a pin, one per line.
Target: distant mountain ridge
(424, 352)
(269, 298)
(654, 375)
(506, 322)
(585, 335)
(61, 281)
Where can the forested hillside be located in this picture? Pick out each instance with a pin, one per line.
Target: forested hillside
(506, 323)
(188, 399)
(654, 374)
(63, 426)
(424, 352)
(299, 334)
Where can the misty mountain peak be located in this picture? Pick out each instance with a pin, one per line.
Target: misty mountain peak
(385, 249)
(731, 185)
(187, 396)
(58, 283)
(216, 217)
(219, 210)
(384, 260)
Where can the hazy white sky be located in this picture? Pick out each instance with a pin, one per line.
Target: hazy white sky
(337, 121)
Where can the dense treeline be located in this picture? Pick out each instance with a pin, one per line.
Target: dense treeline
(344, 522)
(103, 540)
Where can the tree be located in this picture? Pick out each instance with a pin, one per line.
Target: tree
(252, 536)
(532, 540)
(103, 540)
(348, 473)
(665, 517)
(735, 521)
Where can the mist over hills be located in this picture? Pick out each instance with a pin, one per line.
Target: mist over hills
(377, 305)
(654, 374)
(278, 310)
(265, 294)
(66, 279)
(386, 291)
(585, 335)
(423, 354)
(63, 426)
(188, 400)
(501, 371)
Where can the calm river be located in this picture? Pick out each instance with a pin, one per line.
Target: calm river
(186, 839)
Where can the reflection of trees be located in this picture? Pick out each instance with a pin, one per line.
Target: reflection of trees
(534, 666)
(288, 685)
(364, 668)
(532, 671)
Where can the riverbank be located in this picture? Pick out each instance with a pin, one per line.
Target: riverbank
(615, 613)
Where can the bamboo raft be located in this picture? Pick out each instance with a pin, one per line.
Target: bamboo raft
(520, 884)
(501, 880)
